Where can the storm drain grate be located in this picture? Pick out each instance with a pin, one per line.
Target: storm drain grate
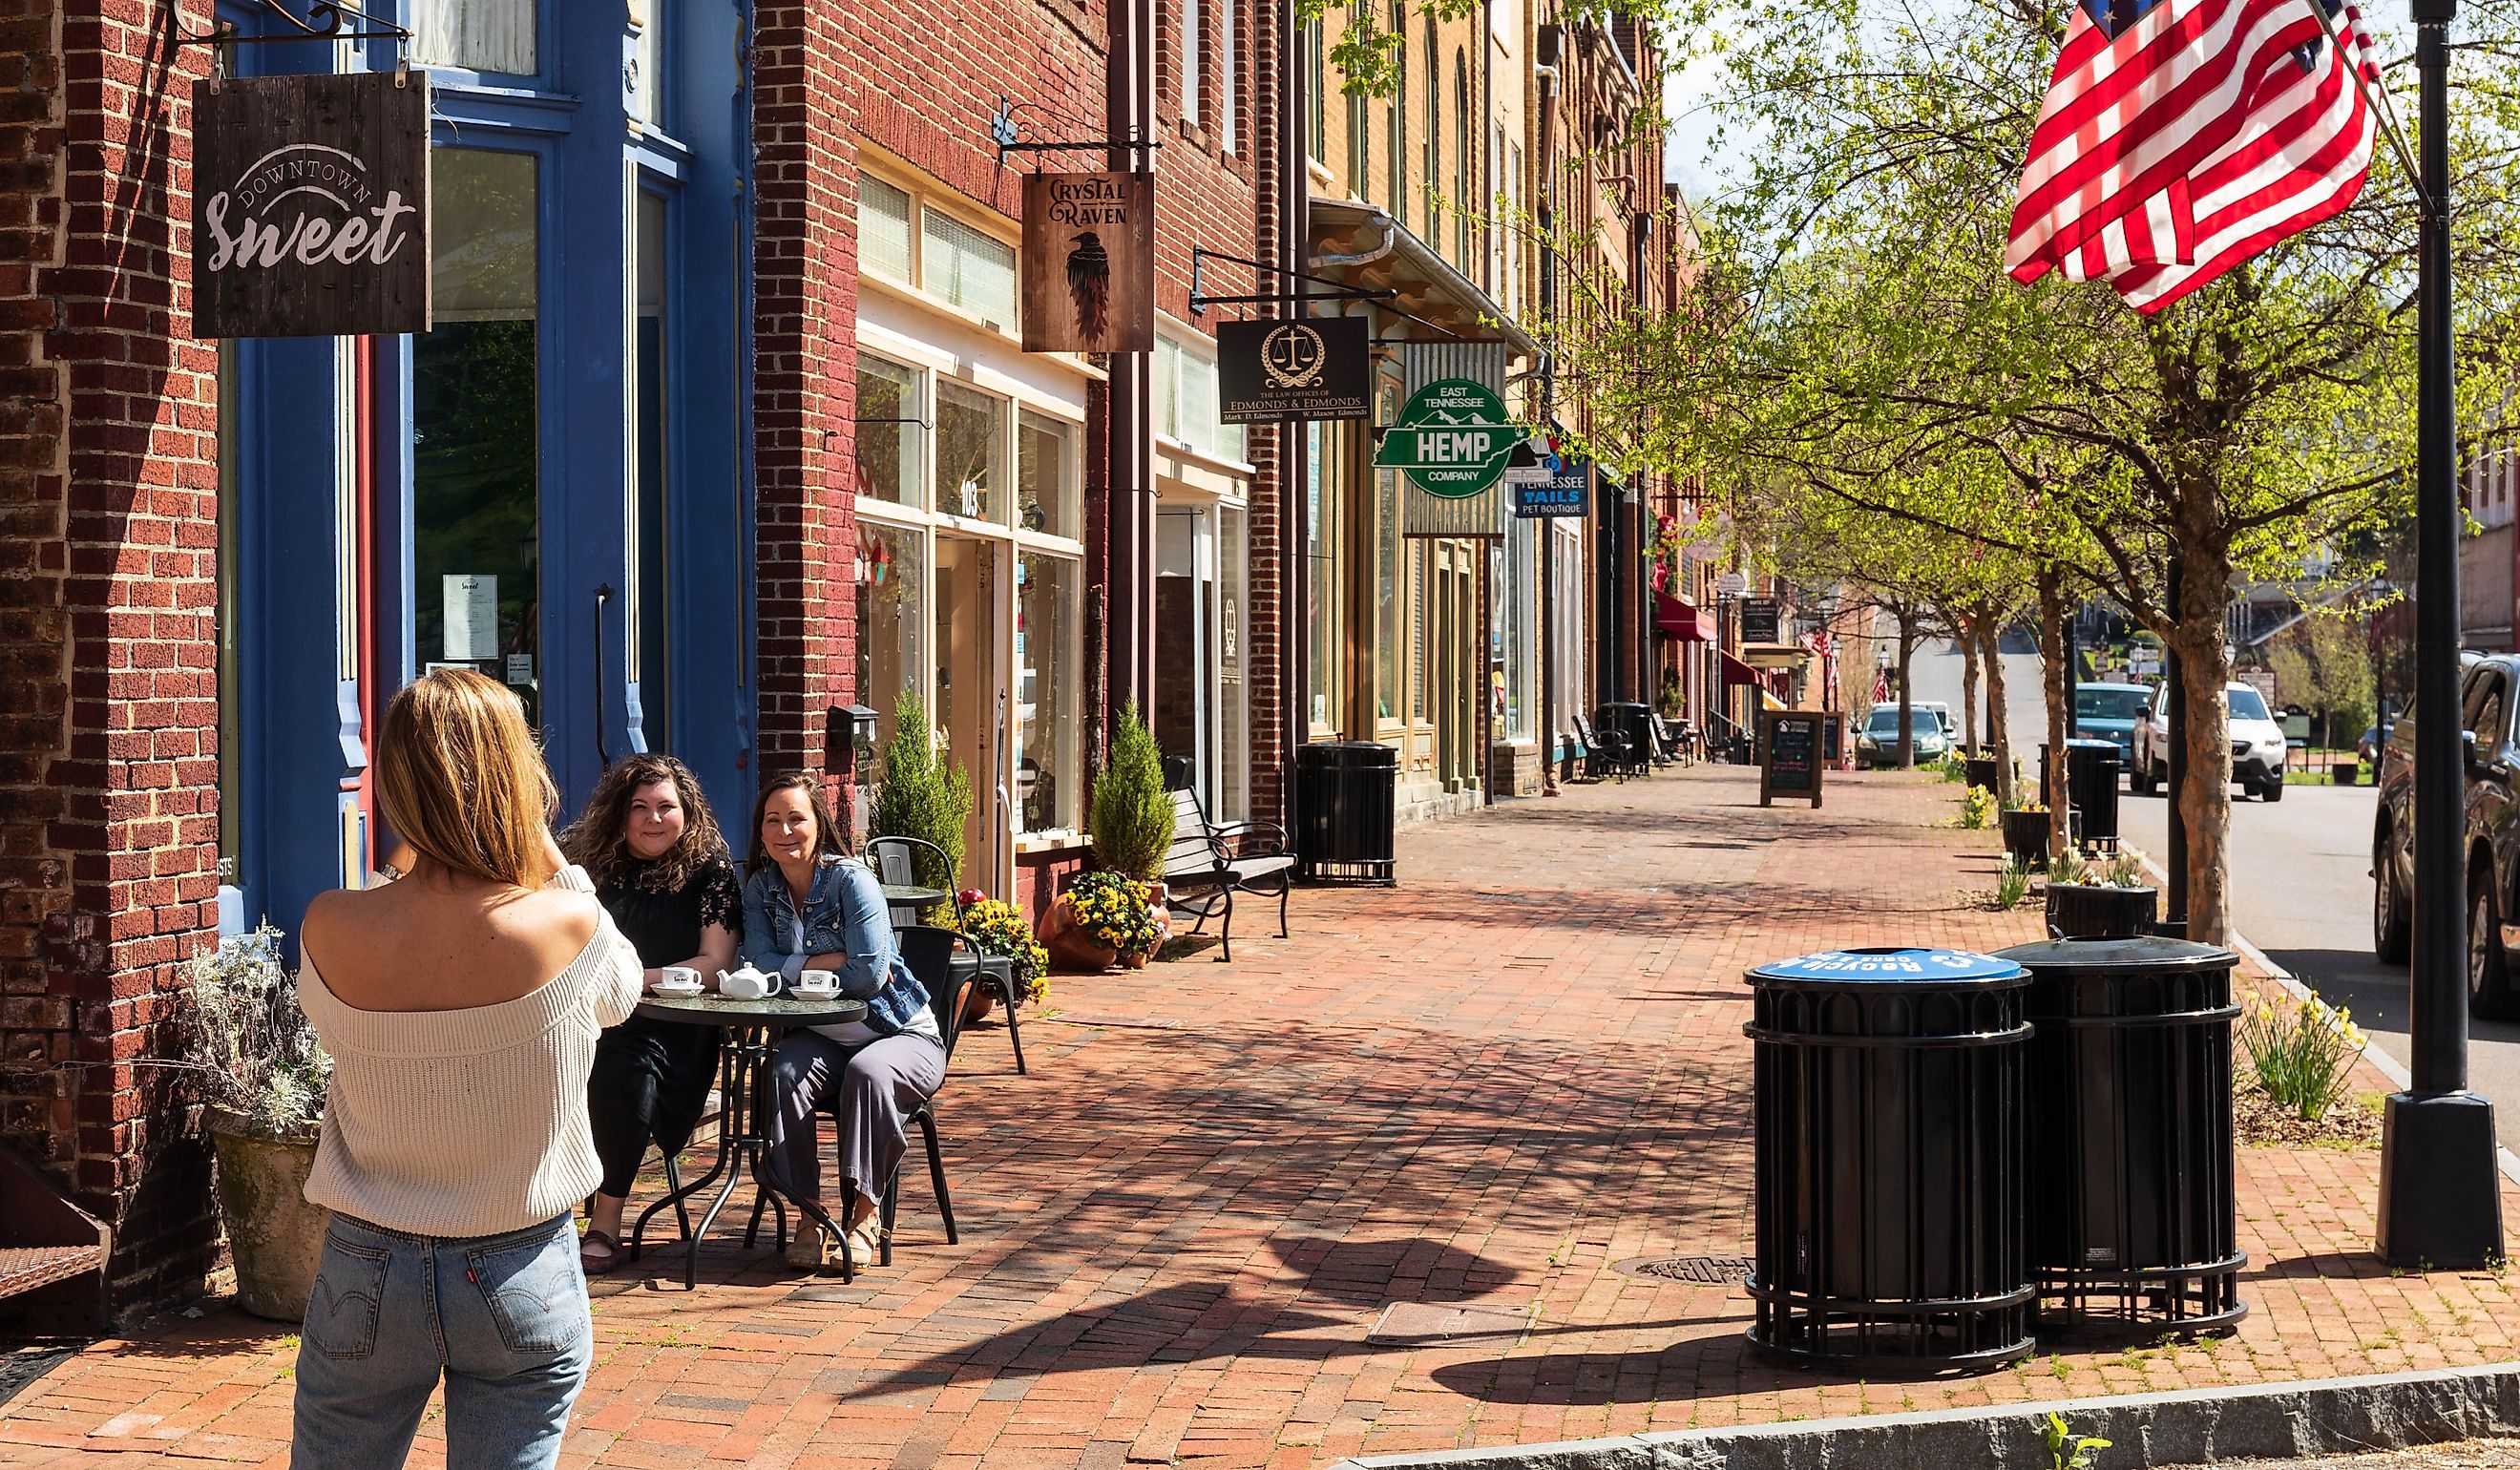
(1705, 1271)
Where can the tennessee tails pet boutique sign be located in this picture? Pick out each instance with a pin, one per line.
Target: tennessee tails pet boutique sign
(1088, 263)
(311, 206)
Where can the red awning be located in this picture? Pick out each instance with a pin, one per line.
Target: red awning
(1737, 672)
(1682, 620)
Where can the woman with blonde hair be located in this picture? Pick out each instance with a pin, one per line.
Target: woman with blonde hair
(650, 843)
(461, 1004)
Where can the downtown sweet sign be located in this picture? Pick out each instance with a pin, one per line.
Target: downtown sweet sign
(311, 206)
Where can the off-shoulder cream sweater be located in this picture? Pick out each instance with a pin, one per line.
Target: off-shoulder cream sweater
(468, 1121)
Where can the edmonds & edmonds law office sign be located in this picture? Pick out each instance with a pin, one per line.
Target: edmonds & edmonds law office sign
(311, 206)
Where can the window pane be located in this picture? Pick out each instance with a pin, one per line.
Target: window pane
(884, 229)
(888, 432)
(1045, 475)
(1422, 612)
(1387, 595)
(1189, 50)
(1234, 714)
(892, 577)
(1167, 368)
(652, 536)
(1227, 38)
(1322, 602)
(1048, 769)
(475, 518)
(971, 269)
(971, 452)
(479, 35)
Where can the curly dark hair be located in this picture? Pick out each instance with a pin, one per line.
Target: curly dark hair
(594, 842)
(827, 830)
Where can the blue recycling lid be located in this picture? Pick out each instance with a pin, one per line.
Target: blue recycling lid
(1890, 965)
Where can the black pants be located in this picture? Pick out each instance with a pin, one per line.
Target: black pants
(650, 1080)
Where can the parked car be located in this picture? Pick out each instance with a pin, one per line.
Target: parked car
(2258, 743)
(1876, 741)
(2110, 712)
(1943, 715)
(2368, 750)
(2489, 687)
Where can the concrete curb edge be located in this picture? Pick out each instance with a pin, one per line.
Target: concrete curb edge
(2193, 1427)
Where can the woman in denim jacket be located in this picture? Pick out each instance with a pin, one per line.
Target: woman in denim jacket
(808, 907)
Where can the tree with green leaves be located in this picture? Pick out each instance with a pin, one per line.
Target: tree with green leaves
(1132, 820)
(918, 795)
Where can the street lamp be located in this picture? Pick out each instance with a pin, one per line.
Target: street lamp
(2441, 1201)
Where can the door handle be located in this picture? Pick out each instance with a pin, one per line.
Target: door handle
(602, 753)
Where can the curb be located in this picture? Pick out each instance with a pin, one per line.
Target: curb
(2282, 1420)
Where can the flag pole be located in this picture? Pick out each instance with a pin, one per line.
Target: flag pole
(2348, 50)
(2441, 1204)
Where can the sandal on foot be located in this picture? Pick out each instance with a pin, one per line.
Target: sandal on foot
(807, 1249)
(596, 1262)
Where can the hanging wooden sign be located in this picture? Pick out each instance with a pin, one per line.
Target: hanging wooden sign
(1268, 371)
(1088, 263)
(311, 206)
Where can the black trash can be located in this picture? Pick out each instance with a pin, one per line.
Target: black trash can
(2130, 1117)
(2091, 769)
(1344, 792)
(1632, 724)
(1887, 1092)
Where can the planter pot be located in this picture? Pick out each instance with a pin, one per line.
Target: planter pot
(1982, 771)
(2090, 910)
(1136, 959)
(2346, 773)
(273, 1234)
(2025, 836)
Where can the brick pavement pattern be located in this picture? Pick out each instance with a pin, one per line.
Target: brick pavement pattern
(1487, 1085)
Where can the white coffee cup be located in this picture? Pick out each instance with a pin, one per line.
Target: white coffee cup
(681, 978)
(817, 984)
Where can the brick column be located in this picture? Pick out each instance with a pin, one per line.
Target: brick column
(109, 802)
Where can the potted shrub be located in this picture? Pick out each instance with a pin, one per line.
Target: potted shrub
(265, 1078)
(2112, 902)
(918, 795)
(1132, 820)
(2025, 834)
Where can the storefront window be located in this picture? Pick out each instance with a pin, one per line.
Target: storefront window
(477, 35)
(653, 535)
(231, 572)
(892, 577)
(1186, 394)
(1045, 475)
(971, 452)
(477, 520)
(1521, 618)
(1233, 711)
(888, 434)
(1047, 761)
(1323, 605)
(884, 229)
(1387, 591)
(1421, 614)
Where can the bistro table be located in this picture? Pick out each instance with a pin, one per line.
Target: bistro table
(912, 893)
(743, 1133)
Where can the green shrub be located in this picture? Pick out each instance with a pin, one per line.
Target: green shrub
(2011, 883)
(1132, 822)
(916, 795)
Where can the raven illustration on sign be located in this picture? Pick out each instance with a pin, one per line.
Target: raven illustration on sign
(1088, 284)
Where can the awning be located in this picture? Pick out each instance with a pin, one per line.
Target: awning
(1774, 655)
(1737, 672)
(1362, 245)
(1770, 701)
(1676, 617)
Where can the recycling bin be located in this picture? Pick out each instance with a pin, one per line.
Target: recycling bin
(2129, 1116)
(1344, 790)
(1887, 1092)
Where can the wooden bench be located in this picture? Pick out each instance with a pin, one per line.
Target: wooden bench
(1210, 862)
(46, 1241)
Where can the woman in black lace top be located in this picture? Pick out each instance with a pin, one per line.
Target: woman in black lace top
(661, 869)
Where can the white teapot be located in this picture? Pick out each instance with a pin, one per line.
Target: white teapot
(748, 984)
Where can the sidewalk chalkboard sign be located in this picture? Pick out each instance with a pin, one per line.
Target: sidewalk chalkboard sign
(1789, 754)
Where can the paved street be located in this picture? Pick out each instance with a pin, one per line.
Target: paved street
(1490, 1087)
(1940, 673)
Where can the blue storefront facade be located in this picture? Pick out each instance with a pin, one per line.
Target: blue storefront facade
(554, 485)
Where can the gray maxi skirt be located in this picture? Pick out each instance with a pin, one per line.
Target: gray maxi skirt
(876, 1086)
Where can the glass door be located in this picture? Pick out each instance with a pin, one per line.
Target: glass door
(1186, 645)
(971, 709)
(1233, 701)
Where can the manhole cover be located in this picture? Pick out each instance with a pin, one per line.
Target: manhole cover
(1705, 1271)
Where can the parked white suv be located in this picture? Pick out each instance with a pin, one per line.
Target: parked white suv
(2258, 744)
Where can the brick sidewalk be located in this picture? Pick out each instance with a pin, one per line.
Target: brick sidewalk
(1486, 1086)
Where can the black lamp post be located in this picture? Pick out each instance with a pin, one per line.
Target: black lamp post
(2440, 1198)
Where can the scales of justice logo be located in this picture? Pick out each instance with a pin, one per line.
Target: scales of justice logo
(1292, 356)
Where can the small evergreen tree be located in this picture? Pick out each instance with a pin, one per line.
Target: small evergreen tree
(920, 796)
(1132, 823)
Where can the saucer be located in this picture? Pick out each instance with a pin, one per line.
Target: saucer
(803, 993)
(678, 992)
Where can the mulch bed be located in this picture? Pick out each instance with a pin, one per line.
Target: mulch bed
(2351, 1124)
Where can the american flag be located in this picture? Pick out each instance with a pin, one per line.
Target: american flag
(2181, 137)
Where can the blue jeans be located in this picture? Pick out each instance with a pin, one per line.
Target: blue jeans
(504, 1318)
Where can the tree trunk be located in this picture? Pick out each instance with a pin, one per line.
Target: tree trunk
(1968, 640)
(2205, 806)
(1907, 704)
(2052, 660)
(1998, 730)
